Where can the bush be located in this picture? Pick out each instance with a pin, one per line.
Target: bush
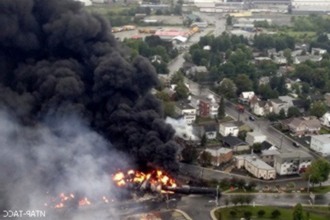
(233, 213)
(261, 213)
(276, 213)
(247, 215)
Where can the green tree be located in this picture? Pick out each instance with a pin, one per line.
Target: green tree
(256, 148)
(189, 154)
(281, 114)
(181, 91)
(221, 109)
(227, 88)
(318, 171)
(261, 213)
(318, 109)
(229, 20)
(177, 77)
(169, 109)
(288, 56)
(247, 215)
(276, 213)
(163, 96)
(293, 112)
(297, 213)
(243, 83)
(205, 159)
(204, 140)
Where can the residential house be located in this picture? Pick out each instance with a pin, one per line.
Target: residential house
(229, 128)
(187, 112)
(194, 70)
(210, 130)
(205, 106)
(281, 60)
(289, 163)
(234, 143)
(262, 108)
(318, 51)
(325, 119)
(245, 97)
(303, 58)
(321, 144)
(255, 137)
(264, 80)
(220, 155)
(256, 167)
(302, 126)
(278, 104)
(268, 156)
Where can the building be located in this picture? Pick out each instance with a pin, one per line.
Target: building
(292, 162)
(308, 6)
(325, 119)
(194, 70)
(321, 144)
(229, 128)
(302, 126)
(268, 156)
(255, 137)
(187, 112)
(220, 155)
(256, 167)
(206, 106)
(234, 143)
(210, 131)
(85, 2)
(171, 33)
(262, 108)
(245, 97)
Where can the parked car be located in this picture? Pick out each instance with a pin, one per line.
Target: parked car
(295, 144)
(251, 118)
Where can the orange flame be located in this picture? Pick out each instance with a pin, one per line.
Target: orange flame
(156, 178)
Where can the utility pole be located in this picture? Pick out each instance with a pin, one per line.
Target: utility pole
(217, 196)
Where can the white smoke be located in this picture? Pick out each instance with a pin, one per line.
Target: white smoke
(61, 155)
(181, 128)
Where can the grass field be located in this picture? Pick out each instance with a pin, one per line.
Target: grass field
(285, 213)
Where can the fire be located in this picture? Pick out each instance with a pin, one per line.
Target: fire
(84, 202)
(156, 178)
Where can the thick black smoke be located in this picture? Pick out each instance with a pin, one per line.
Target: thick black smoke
(56, 59)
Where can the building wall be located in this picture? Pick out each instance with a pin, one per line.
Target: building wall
(222, 158)
(252, 139)
(225, 131)
(204, 109)
(319, 146)
(211, 135)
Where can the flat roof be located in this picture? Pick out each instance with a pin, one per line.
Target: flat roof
(255, 161)
(324, 138)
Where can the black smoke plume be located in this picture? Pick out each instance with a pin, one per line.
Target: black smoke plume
(56, 60)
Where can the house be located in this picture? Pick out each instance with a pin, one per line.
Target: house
(235, 143)
(210, 130)
(318, 51)
(256, 167)
(302, 126)
(325, 119)
(303, 58)
(289, 163)
(196, 70)
(278, 105)
(281, 60)
(220, 155)
(268, 156)
(264, 80)
(262, 108)
(321, 144)
(255, 137)
(187, 112)
(245, 97)
(229, 128)
(206, 106)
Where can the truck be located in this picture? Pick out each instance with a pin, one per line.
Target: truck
(240, 108)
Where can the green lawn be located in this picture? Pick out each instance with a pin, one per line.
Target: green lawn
(322, 189)
(285, 213)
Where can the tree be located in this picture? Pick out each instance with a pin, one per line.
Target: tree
(221, 109)
(318, 109)
(227, 88)
(261, 213)
(229, 20)
(233, 213)
(181, 91)
(257, 148)
(243, 83)
(169, 109)
(247, 215)
(298, 212)
(288, 56)
(189, 154)
(205, 159)
(281, 114)
(293, 112)
(204, 140)
(318, 171)
(276, 213)
(177, 77)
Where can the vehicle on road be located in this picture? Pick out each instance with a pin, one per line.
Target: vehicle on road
(240, 108)
(251, 118)
(295, 144)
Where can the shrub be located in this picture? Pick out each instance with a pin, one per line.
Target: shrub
(261, 213)
(276, 213)
(232, 213)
